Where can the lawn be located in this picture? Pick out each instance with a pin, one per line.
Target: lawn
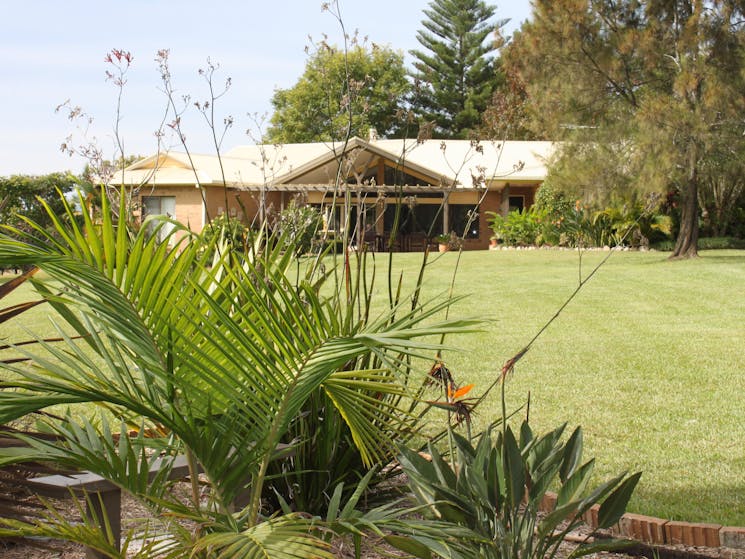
(647, 358)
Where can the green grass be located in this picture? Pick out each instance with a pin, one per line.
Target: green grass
(648, 358)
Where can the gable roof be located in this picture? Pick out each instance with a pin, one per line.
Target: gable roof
(458, 160)
(443, 162)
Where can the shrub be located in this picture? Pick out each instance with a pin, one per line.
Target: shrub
(628, 224)
(705, 243)
(719, 243)
(452, 240)
(226, 231)
(552, 207)
(552, 201)
(496, 488)
(519, 228)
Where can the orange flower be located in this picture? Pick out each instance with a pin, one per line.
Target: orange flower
(462, 409)
(457, 393)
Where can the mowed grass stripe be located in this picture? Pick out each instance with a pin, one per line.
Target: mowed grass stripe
(649, 358)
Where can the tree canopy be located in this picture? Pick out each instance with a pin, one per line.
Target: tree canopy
(658, 84)
(507, 117)
(24, 195)
(338, 92)
(455, 72)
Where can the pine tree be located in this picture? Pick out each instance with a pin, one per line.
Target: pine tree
(456, 73)
(658, 81)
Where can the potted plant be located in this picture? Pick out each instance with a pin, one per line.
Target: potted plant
(497, 225)
(442, 242)
(446, 242)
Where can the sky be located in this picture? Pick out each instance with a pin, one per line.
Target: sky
(53, 52)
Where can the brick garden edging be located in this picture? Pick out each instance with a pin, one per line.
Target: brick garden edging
(651, 530)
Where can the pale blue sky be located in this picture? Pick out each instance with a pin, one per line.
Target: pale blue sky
(52, 51)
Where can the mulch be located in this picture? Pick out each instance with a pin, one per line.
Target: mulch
(17, 501)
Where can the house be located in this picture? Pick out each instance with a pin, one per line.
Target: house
(444, 185)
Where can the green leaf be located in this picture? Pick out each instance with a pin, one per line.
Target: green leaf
(551, 521)
(465, 446)
(573, 487)
(615, 505)
(544, 451)
(572, 454)
(514, 469)
(358, 492)
(493, 469)
(600, 546)
(334, 503)
(597, 494)
(409, 545)
(412, 461)
(445, 474)
(526, 435)
(284, 537)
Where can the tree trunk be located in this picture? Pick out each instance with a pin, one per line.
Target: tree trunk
(686, 246)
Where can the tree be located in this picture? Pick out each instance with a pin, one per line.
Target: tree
(317, 107)
(24, 196)
(506, 117)
(723, 192)
(100, 172)
(660, 80)
(456, 73)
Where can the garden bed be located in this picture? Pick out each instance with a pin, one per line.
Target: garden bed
(52, 549)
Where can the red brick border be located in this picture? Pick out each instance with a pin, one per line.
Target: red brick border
(651, 530)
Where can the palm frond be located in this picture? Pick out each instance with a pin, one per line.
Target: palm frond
(56, 524)
(222, 350)
(284, 537)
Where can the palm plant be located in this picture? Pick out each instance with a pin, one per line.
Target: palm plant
(218, 355)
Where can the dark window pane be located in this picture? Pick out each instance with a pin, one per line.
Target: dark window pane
(517, 203)
(462, 216)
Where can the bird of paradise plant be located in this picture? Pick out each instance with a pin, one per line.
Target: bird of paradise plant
(496, 487)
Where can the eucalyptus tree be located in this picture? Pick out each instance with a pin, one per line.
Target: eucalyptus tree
(23, 196)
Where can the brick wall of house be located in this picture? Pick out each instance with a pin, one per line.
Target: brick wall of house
(492, 202)
(242, 205)
(189, 207)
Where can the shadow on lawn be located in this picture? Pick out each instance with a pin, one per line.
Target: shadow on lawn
(715, 256)
(723, 504)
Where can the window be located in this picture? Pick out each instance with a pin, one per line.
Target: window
(159, 206)
(414, 218)
(462, 215)
(517, 203)
(398, 177)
